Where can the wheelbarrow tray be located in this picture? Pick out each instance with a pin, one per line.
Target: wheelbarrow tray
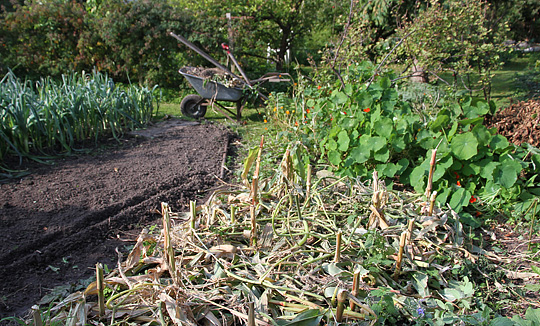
(213, 90)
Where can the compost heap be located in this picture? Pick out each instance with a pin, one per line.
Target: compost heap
(519, 123)
(288, 248)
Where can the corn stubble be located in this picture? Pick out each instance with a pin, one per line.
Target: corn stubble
(270, 250)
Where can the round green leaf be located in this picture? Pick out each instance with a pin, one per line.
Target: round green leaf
(359, 154)
(334, 157)
(331, 145)
(383, 127)
(382, 154)
(459, 199)
(506, 174)
(343, 141)
(464, 146)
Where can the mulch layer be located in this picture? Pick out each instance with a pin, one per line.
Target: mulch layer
(61, 219)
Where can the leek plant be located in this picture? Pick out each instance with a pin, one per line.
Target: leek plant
(51, 116)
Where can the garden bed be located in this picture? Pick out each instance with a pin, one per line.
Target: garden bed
(61, 219)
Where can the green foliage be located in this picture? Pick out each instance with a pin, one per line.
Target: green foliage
(366, 126)
(128, 40)
(51, 116)
(137, 32)
(454, 36)
(42, 38)
(261, 31)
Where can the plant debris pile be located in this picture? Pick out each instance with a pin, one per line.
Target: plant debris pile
(288, 249)
(213, 74)
(519, 122)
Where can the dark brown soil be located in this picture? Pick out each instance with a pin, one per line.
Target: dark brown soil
(61, 219)
(520, 122)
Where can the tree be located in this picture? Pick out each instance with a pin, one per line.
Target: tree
(453, 36)
(131, 40)
(260, 25)
(41, 38)
(127, 39)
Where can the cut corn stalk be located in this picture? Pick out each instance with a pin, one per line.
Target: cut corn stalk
(100, 288)
(294, 268)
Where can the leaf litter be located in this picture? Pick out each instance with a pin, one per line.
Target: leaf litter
(288, 250)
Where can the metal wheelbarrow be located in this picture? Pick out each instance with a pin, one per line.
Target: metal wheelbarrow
(211, 91)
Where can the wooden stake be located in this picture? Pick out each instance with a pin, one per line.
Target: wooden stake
(193, 213)
(432, 203)
(431, 170)
(253, 226)
(254, 195)
(233, 214)
(308, 183)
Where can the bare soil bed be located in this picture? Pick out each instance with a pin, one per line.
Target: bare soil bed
(60, 220)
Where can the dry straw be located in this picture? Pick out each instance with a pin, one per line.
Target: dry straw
(220, 274)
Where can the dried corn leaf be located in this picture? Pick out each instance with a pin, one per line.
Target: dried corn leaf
(175, 311)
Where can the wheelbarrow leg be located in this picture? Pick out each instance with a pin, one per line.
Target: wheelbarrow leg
(239, 108)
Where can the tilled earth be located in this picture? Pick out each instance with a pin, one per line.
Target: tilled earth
(57, 222)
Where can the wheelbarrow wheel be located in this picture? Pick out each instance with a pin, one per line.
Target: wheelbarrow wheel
(192, 106)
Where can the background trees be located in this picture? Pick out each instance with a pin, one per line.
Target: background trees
(129, 40)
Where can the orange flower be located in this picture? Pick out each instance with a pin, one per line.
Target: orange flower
(307, 110)
(275, 109)
(287, 112)
(458, 183)
(319, 87)
(265, 121)
(296, 123)
(295, 84)
(281, 107)
(344, 112)
(473, 199)
(367, 109)
(477, 213)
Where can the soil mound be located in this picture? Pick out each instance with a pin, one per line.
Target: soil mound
(520, 122)
(61, 219)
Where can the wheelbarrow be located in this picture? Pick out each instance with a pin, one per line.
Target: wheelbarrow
(210, 91)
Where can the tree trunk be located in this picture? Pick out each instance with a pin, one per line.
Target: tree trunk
(418, 73)
(283, 47)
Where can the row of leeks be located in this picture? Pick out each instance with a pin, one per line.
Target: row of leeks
(57, 116)
(286, 250)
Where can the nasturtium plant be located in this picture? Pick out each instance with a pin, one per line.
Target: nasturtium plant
(362, 126)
